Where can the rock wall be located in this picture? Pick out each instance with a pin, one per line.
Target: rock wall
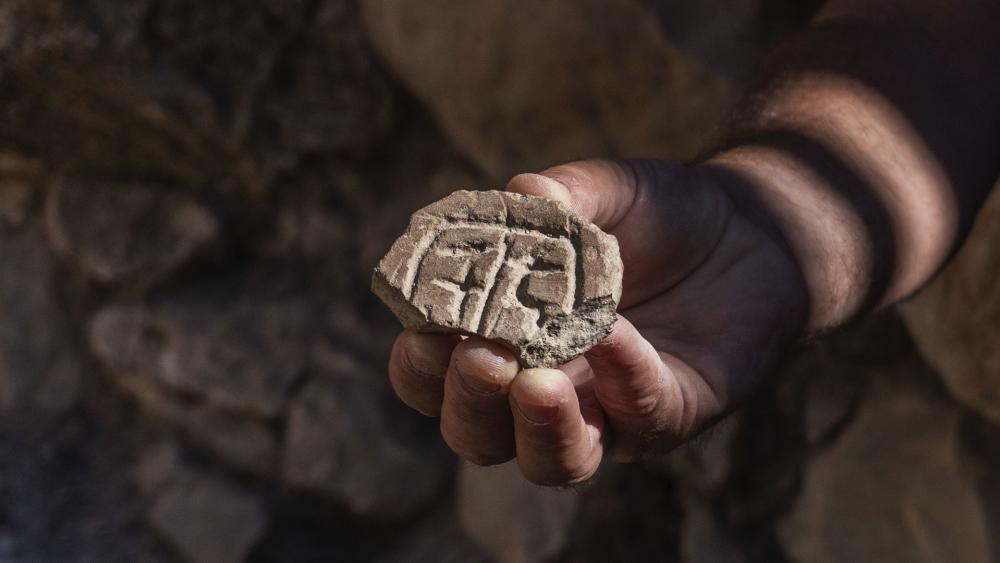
(192, 198)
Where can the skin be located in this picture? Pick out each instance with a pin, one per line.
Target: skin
(844, 181)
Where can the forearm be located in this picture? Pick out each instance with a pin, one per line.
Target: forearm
(869, 144)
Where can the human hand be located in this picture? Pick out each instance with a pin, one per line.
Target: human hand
(709, 304)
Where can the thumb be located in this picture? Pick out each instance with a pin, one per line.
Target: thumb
(667, 219)
(652, 401)
(601, 191)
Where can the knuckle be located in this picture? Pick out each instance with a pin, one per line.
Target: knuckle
(635, 407)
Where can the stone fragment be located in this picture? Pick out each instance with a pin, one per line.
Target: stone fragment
(126, 232)
(342, 442)
(955, 321)
(241, 442)
(242, 356)
(893, 487)
(219, 371)
(513, 520)
(207, 519)
(522, 271)
(521, 86)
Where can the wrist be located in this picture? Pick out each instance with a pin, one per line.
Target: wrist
(798, 207)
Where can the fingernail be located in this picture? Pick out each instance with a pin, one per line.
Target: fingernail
(425, 353)
(557, 190)
(478, 385)
(541, 186)
(484, 371)
(537, 414)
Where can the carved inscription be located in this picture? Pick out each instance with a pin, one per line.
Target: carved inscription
(519, 270)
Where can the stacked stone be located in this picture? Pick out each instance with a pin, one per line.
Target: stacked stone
(193, 195)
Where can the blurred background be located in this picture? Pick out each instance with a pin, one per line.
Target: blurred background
(192, 368)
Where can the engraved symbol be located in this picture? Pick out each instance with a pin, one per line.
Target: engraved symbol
(494, 282)
(522, 271)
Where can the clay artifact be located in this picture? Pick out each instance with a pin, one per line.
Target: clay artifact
(519, 270)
